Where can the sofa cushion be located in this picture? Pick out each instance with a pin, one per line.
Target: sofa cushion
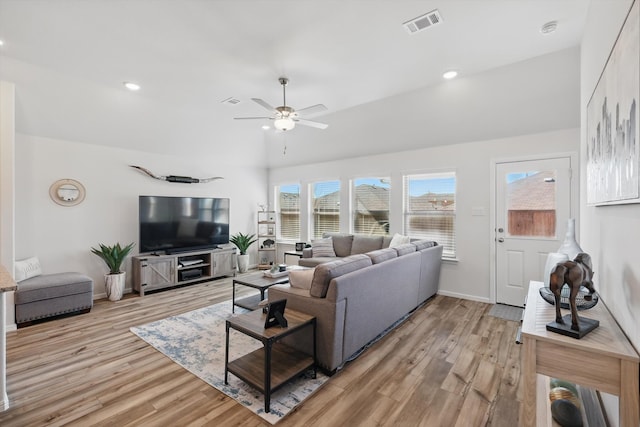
(322, 247)
(364, 244)
(386, 240)
(399, 239)
(301, 279)
(312, 262)
(341, 243)
(407, 248)
(424, 244)
(50, 286)
(27, 268)
(324, 273)
(382, 255)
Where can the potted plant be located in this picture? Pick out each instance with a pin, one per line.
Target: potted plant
(242, 242)
(113, 256)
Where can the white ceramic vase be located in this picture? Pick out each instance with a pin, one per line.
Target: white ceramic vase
(114, 285)
(570, 247)
(243, 263)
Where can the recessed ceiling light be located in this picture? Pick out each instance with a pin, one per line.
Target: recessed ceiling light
(266, 127)
(131, 86)
(450, 74)
(1, 43)
(549, 27)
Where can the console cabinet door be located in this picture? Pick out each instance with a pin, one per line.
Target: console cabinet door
(158, 272)
(224, 263)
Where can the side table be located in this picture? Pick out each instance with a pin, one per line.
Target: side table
(256, 281)
(271, 367)
(292, 253)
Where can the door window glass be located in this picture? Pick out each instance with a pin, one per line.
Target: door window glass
(531, 204)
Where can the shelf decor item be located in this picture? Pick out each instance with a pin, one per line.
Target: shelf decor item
(576, 275)
(114, 256)
(243, 242)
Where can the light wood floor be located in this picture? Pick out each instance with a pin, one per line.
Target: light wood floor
(450, 364)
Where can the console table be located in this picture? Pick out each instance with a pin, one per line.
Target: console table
(6, 285)
(604, 360)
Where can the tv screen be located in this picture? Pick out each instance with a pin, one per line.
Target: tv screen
(176, 224)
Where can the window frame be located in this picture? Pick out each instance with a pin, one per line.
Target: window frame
(312, 210)
(280, 228)
(450, 243)
(353, 203)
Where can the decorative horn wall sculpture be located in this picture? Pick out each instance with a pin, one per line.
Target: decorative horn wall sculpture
(176, 178)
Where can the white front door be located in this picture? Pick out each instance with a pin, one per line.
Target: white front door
(533, 204)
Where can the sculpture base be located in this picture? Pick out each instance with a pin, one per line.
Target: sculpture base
(586, 326)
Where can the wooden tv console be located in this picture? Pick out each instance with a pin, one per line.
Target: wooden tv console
(153, 272)
(603, 360)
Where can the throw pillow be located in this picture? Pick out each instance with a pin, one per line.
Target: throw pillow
(27, 268)
(399, 239)
(301, 279)
(323, 247)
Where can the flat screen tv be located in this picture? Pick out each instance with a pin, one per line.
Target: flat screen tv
(179, 224)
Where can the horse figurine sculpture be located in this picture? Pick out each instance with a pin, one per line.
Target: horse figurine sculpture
(573, 273)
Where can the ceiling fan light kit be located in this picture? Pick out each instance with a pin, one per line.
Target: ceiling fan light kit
(284, 123)
(285, 117)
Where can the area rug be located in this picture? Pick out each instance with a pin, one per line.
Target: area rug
(196, 341)
(507, 312)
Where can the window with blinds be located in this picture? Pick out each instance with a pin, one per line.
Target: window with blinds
(430, 209)
(288, 197)
(325, 207)
(370, 205)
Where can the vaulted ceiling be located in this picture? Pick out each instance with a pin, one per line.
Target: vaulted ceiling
(69, 59)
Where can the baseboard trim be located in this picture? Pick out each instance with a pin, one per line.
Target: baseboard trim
(464, 296)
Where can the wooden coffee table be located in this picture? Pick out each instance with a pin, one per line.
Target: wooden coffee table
(269, 368)
(257, 281)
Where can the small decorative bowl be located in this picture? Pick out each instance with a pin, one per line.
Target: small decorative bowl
(581, 299)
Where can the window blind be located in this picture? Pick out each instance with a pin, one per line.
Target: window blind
(370, 205)
(430, 208)
(326, 207)
(288, 197)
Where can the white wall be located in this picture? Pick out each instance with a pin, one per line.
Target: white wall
(62, 236)
(611, 234)
(536, 95)
(469, 277)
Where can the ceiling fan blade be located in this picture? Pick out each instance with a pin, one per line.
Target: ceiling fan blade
(264, 104)
(312, 109)
(311, 123)
(253, 118)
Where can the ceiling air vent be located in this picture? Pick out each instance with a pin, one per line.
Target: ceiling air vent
(422, 22)
(230, 101)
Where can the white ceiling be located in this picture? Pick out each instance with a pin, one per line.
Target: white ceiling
(69, 58)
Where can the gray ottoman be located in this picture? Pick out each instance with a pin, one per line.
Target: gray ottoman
(52, 295)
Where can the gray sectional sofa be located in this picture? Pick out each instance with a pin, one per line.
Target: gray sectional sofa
(360, 296)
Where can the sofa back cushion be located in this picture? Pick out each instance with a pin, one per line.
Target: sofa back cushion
(341, 243)
(322, 247)
(382, 255)
(324, 273)
(424, 244)
(407, 248)
(364, 244)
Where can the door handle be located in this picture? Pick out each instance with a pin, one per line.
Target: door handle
(501, 240)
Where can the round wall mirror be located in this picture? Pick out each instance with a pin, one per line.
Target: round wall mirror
(67, 192)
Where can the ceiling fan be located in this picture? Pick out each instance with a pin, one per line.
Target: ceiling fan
(285, 117)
